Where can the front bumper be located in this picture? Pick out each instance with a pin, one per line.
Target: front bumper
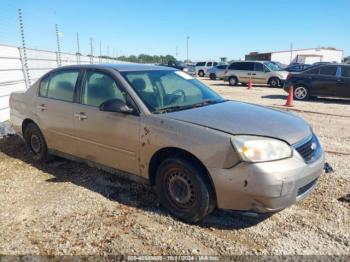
(266, 187)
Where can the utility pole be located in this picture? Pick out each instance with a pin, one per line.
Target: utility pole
(91, 51)
(24, 51)
(78, 44)
(59, 61)
(187, 38)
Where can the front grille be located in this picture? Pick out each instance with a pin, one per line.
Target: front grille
(307, 149)
(305, 188)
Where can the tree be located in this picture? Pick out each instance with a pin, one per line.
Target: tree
(346, 59)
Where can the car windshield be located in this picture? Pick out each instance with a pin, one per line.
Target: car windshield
(166, 91)
(272, 66)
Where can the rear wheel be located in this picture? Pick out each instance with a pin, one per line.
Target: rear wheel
(201, 73)
(36, 143)
(212, 76)
(301, 93)
(232, 81)
(183, 190)
(274, 82)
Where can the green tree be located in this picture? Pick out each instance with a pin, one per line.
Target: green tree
(346, 59)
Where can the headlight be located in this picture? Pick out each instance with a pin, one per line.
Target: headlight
(261, 149)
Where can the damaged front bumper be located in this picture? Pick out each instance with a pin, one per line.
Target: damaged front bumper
(266, 187)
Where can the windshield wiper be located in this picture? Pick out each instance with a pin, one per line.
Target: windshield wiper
(184, 107)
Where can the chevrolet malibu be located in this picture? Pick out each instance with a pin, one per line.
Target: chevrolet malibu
(163, 127)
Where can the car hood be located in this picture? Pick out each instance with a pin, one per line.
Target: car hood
(243, 118)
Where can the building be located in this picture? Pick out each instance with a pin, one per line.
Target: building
(307, 56)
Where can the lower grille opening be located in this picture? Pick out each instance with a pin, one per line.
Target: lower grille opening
(305, 188)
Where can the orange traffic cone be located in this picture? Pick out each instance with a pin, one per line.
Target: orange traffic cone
(290, 99)
(250, 84)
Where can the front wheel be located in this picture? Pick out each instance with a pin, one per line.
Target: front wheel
(301, 93)
(183, 190)
(274, 82)
(212, 76)
(201, 73)
(232, 81)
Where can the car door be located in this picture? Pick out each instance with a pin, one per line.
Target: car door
(325, 84)
(343, 82)
(55, 106)
(247, 72)
(108, 138)
(259, 74)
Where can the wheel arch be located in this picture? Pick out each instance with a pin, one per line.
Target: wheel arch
(26, 122)
(272, 77)
(164, 153)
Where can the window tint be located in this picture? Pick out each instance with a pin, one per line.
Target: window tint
(222, 66)
(314, 71)
(328, 70)
(98, 88)
(62, 86)
(345, 71)
(200, 64)
(242, 66)
(215, 63)
(258, 67)
(44, 86)
(209, 64)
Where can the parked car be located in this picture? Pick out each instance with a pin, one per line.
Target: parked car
(217, 72)
(280, 65)
(259, 71)
(297, 67)
(202, 67)
(331, 80)
(176, 64)
(163, 127)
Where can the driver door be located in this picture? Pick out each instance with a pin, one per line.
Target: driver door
(108, 138)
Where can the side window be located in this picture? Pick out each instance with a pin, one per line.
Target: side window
(315, 71)
(200, 64)
(215, 63)
(209, 64)
(258, 67)
(345, 71)
(235, 66)
(247, 66)
(328, 70)
(62, 85)
(222, 66)
(98, 88)
(43, 87)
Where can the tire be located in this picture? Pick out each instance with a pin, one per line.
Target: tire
(212, 76)
(201, 73)
(36, 143)
(232, 81)
(301, 93)
(184, 191)
(274, 82)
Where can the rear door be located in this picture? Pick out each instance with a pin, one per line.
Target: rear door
(108, 138)
(55, 106)
(343, 83)
(325, 84)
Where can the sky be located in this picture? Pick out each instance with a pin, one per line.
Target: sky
(223, 28)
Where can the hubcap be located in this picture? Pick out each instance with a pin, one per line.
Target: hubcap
(35, 143)
(300, 92)
(274, 83)
(180, 189)
(232, 81)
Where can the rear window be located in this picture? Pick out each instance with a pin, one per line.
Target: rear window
(209, 64)
(215, 63)
(314, 71)
(200, 64)
(328, 70)
(345, 71)
(62, 85)
(222, 66)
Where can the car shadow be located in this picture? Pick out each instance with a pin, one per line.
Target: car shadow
(115, 188)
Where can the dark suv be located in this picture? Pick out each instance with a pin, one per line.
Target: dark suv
(325, 80)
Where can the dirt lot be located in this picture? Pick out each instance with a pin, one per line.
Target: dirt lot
(69, 208)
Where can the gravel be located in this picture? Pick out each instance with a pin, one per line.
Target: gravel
(67, 208)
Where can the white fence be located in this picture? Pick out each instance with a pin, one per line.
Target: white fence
(14, 77)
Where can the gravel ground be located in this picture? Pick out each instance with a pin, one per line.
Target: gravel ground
(67, 208)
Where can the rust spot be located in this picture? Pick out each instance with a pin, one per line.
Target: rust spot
(245, 183)
(142, 166)
(147, 131)
(143, 144)
(139, 159)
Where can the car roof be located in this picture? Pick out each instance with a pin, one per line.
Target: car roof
(119, 67)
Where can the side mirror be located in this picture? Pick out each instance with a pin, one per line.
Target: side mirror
(115, 105)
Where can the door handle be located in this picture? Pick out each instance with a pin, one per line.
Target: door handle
(254, 74)
(81, 116)
(249, 74)
(41, 107)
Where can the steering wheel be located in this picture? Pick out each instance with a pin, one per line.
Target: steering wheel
(173, 98)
